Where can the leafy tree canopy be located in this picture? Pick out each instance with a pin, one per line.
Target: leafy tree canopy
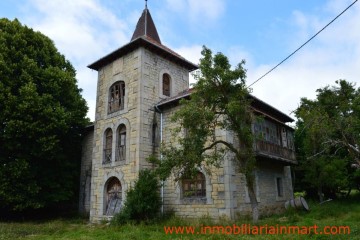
(41, 115)
(328, 137)
(219, 102)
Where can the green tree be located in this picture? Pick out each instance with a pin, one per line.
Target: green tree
(143, 201)
(328, 134)
(219, 101)
(41, 115)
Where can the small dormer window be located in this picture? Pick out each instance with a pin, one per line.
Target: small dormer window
(116, 97)
(166, 81)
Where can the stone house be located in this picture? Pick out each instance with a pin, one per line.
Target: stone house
(139, 87)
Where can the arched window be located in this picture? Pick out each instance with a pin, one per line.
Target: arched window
(166, 81)
(107, 146)
(121, 143)
(113, 196)
(116, 97)
(194, 188)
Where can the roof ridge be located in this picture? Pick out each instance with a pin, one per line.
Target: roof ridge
(146, 27)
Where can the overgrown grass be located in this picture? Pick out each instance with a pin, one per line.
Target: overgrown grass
(344, 212)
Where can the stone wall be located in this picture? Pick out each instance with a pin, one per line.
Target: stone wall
(266, 174)
(141, 71)
(226, 190)
(215, 203)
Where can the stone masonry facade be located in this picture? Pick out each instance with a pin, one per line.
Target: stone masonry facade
(134, 131)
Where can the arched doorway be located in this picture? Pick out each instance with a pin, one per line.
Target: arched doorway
(113, 196)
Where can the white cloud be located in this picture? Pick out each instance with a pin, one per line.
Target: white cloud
(82, 30)
(78, 27)
(332, 55)
(192, 54)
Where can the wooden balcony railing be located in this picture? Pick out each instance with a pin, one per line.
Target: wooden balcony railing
(274, 150)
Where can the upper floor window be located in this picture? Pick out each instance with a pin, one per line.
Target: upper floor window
(121, 146)
(107, 146)
(166, 81)
(194, 188)
(116, 97)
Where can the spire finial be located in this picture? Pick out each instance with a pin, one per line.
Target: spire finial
(145, 4)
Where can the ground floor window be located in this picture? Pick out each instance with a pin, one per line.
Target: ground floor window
(194, 188)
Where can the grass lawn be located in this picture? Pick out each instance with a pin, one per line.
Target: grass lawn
(344, 212)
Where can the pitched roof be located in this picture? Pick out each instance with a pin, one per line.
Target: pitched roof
(149, 44)
(145, 35)
(146, 27)
(257, 104)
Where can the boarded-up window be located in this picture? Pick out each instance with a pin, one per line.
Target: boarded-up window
(107, 146)
(113, 196)
(121, 146)
(166, 84)
(194, 188)
(116, 97)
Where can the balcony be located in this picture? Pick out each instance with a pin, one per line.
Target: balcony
(271, 150)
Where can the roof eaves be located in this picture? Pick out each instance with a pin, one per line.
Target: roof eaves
(135, 43)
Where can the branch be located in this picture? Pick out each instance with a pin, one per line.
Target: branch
(230, 146)
(316, 154)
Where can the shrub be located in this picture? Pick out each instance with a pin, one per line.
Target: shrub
(142, 201)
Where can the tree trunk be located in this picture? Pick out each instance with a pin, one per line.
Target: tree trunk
(253, 199)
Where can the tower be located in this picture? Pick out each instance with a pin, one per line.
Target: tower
(131, 81)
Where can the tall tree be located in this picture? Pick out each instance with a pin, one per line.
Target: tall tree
(328, 131)
(219, 101)
(41, 115)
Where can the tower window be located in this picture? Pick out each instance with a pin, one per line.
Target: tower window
(116, 97)
(121, 146)
(166, 84)
(107, 146)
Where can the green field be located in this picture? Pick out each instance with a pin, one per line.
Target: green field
(344, 212)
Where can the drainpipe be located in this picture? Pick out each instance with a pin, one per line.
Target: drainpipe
(161, 157)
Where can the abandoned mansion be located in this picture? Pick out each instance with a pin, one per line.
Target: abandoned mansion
(138, 89)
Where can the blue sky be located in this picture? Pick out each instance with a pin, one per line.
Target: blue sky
(262, 32)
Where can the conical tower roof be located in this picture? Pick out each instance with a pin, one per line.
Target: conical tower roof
(145, 35)
(146, 27)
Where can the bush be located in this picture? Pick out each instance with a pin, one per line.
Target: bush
(142, 202)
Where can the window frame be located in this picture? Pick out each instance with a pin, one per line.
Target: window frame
(166, 91)
(113, 193)
(121, 143)
(107, 147)
(190, 188)
(116, 98)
